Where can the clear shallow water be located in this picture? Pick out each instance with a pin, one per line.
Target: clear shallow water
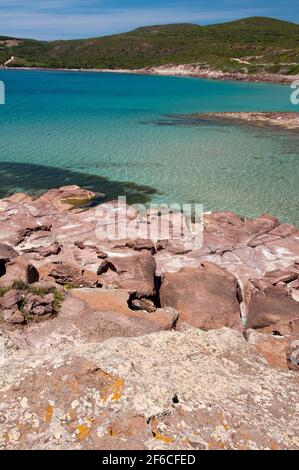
(112, 133)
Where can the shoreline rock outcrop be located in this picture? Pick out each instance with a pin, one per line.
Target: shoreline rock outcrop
(283, 120)
(109, 330)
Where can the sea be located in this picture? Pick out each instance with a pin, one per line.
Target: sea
(135, 136)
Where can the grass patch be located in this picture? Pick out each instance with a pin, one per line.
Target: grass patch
(40, 291)
(58, 298)
(4, 290)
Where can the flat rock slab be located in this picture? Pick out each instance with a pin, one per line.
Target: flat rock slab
(169, 390)
(88, 315)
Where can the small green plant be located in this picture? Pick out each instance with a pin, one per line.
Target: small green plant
(40, 291)
(58, 298)
(19, 285)
(26, 315)
(68, 286)
(4, 290)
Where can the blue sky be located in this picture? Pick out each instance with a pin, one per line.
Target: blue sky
(61, 19)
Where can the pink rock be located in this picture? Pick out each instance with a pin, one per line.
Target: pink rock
(65, 273)
(7, 253)
(271, 309)
(283, 275)
(141, 244)
(205, 297)
(143, 304)
(132, 272)
(14, 317)
(283, 230)
(225, 230)
(94, 315)
(293, 354)
(19, 270)
(272, 348)
(39, 305)
(11, 300)
(45, 251)
(31, 227)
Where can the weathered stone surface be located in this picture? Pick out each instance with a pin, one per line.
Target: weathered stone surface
(20, 306)
(15, 317)
(171, 390)
(132, 272)
(9, 307)
(11, 299)
(143, 304)
(29, 227)
(205, 297)
(272, 347)
(293, 354)
(94, 315)
(163, 390)
(287, 278)
(247, 248)
(7, 252)
(68, 274)
(112, 306)
(224, 230)
(279, 351)
(39, 305)
(19, 270)
(45, 251)
(141, 244)
(271, 309)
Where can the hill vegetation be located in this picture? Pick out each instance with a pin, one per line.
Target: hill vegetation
(248, 45)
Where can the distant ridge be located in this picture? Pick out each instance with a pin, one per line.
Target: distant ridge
(249, 45)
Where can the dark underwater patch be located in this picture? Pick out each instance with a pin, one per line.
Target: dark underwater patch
(35, 179)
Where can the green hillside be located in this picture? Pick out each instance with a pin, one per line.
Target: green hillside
(249, 45)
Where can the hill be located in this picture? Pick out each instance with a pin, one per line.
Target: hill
(250, 45)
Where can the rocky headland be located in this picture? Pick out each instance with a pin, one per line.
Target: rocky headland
(198, 71)
(138, 343)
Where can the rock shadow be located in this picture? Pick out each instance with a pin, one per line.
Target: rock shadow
(36, 179)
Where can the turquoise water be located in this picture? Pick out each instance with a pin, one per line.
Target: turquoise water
(115, 133)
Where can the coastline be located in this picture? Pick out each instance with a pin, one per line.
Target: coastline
(185, 70)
